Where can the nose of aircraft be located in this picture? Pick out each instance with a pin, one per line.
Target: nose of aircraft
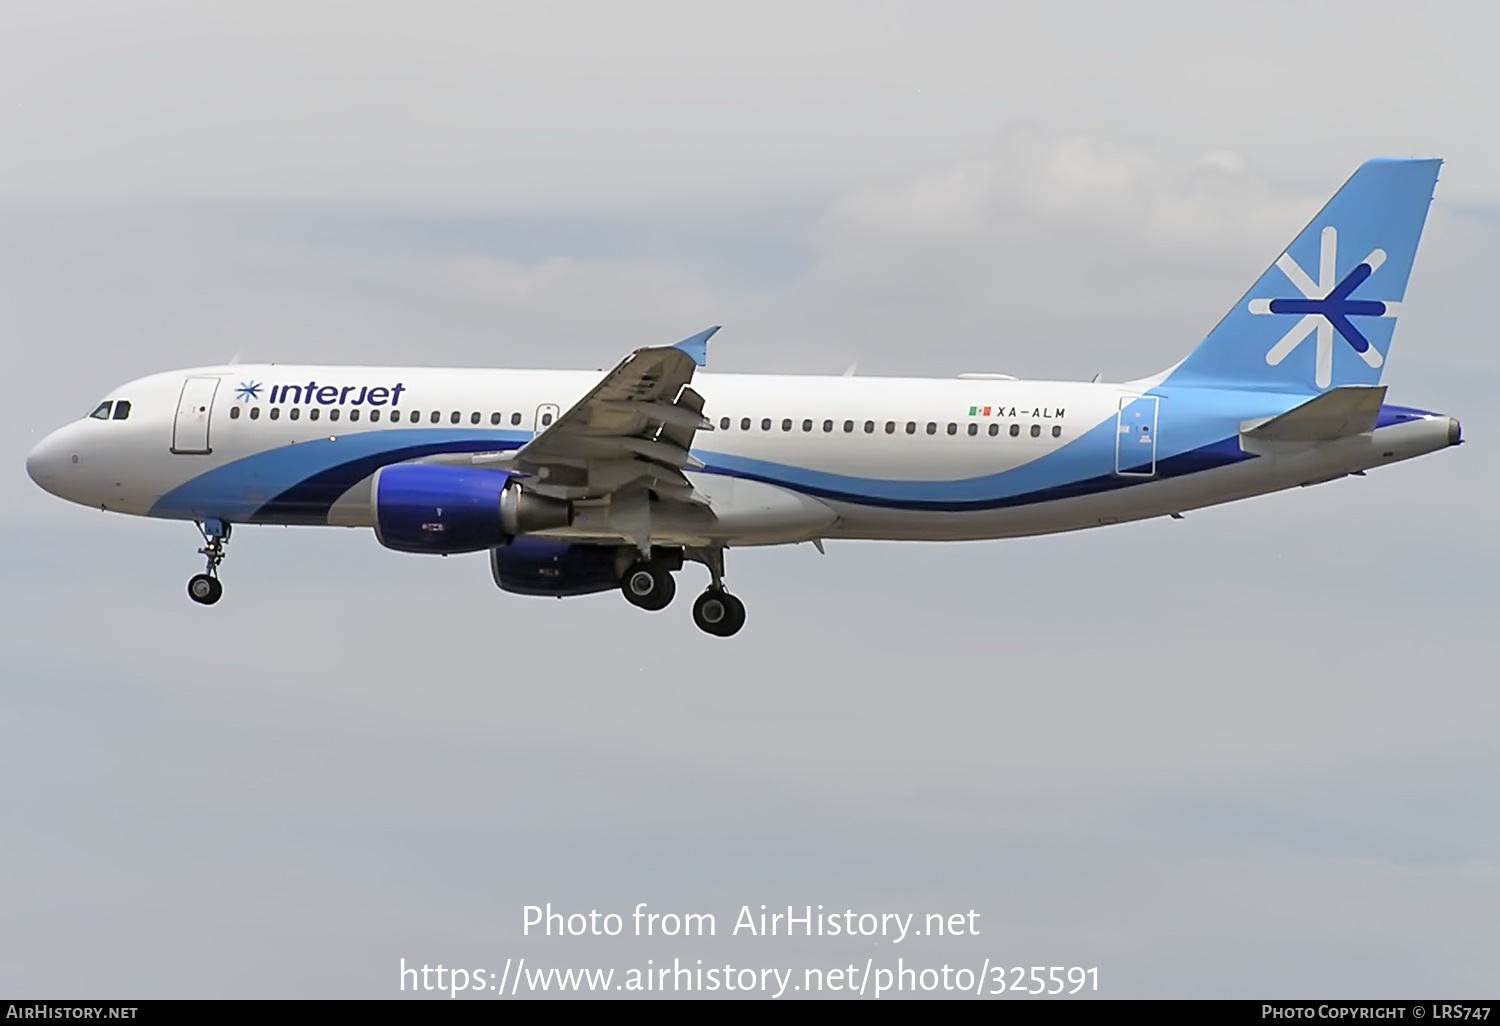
(45, 463)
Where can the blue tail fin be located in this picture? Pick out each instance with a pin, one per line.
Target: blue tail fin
(1323, 314)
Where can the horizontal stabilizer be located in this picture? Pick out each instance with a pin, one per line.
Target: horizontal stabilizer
(1338, 413)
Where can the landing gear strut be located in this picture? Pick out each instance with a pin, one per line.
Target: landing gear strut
(205, 588)
(716, 611)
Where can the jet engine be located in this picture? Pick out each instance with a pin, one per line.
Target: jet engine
(436, 509)
(547, 566)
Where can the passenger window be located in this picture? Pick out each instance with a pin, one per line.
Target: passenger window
(101, 412)
(295, 413)
(435, 417)
(474, 417)
(994, 430)
(973, 430)
(807, 425)
(869, 427)
(454, 417)
(495, 418)
(122, 409)
(848, 427)
(765, 424)
(546, 419)
(1036, 431)
(744, 423)
(828, 425)
(723, 423)
(276, 413)
(255, 413)
(1056, 431)
(890, 427)
(354, 414)
(515, 418)
(952, 428)
(313, 413)
(1015, 430)
(911, 427)
(931, 428)
(234, 413)
(786, 424)
(333, 414)
(374, 415)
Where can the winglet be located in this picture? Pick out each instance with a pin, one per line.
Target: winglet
(697, 346)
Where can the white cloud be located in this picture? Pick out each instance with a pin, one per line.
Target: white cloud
(618, 295)
(1034, 187)
(1109, 741)
(568, 105)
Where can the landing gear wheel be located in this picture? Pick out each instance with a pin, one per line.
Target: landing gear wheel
(205, 590)
(719, 613)
(648, 585)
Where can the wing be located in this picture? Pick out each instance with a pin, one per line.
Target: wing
(635, 427)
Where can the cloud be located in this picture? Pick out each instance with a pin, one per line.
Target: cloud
(1198, 752)
(619, 302)
(1034, 185)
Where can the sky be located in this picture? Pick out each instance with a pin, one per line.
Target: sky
(1248, 753)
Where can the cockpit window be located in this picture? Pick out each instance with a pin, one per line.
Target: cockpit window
(101, 412)
(122, 409)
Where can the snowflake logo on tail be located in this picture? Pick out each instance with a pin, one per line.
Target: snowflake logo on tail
(1326, 307)
(247, 391)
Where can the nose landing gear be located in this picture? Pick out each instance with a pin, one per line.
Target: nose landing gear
(205, 588)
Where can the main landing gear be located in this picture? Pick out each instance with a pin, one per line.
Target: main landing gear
(719, 613)
(648, 583)
(716, 611)
(205, 588)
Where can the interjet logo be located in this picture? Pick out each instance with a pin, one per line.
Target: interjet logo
(1326, 307)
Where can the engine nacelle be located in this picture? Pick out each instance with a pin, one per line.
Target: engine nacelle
(547, 566)
(437, 509)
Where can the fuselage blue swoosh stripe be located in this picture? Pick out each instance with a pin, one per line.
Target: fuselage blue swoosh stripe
(298, 485)
(1209, 457)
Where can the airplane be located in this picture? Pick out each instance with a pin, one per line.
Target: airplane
(575, 483)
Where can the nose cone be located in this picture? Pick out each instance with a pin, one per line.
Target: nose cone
(45, 464)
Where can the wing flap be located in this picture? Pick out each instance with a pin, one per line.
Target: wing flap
(633, 430)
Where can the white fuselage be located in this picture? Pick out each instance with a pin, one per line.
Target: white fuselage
(791, 458)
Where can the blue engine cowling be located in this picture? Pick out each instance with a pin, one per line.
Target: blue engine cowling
(546, 566)
(441, 510)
